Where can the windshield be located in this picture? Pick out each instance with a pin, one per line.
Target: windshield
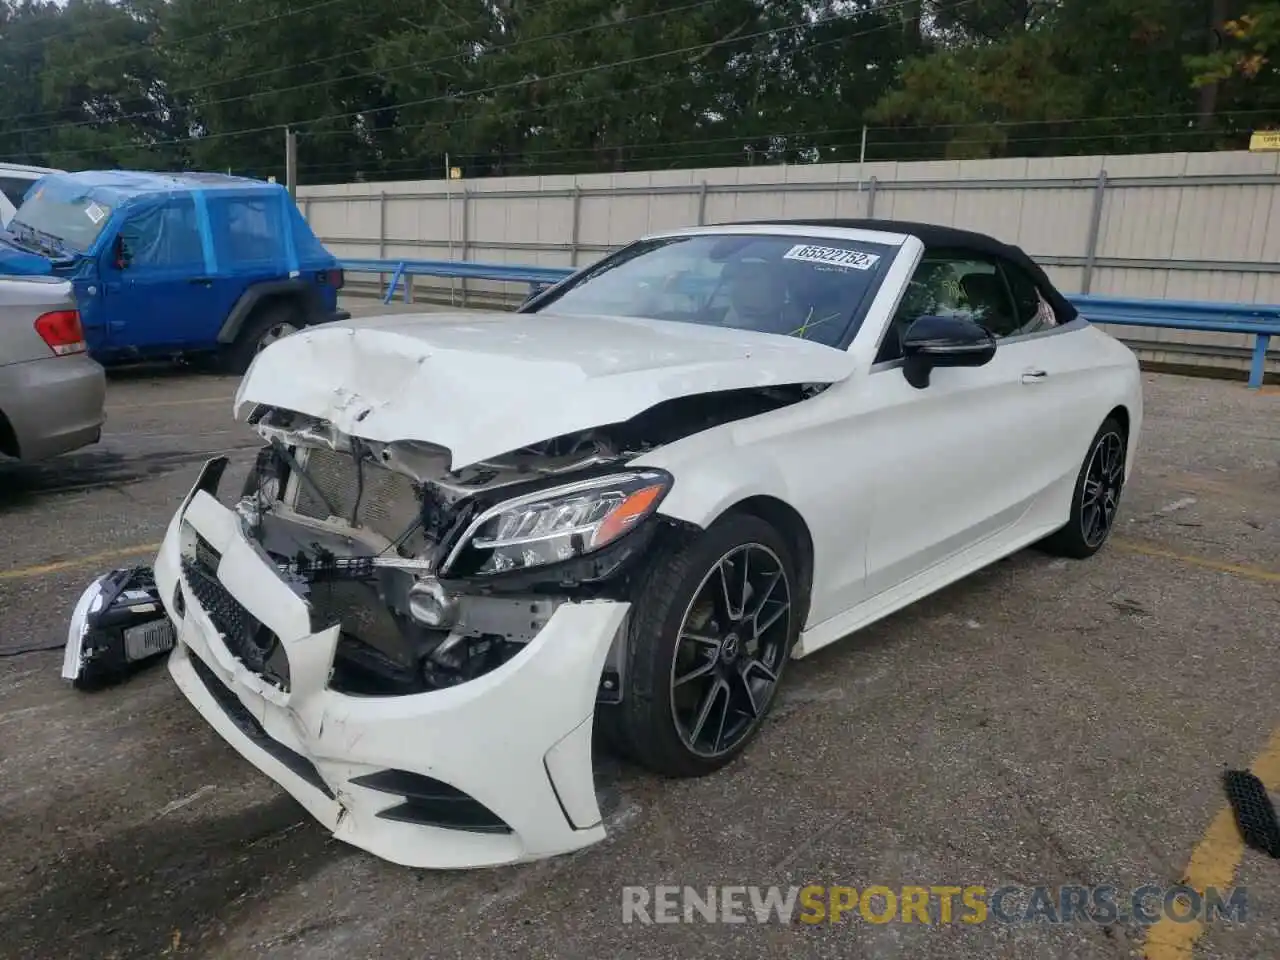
(811, 287)
(60, 225)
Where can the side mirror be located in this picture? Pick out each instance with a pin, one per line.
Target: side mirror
(119, 253)
(944, 342)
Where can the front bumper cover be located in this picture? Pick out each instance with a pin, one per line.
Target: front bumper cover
(493, 771)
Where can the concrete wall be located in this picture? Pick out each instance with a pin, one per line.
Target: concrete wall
(1200, 226)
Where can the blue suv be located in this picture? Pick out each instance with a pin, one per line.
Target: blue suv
(167, 265)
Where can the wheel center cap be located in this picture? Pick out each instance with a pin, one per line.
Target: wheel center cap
(729, 647)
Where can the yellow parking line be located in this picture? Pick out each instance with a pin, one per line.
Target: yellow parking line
(170, 403)
(1239, 570)
(22, 573)
(1213, 864)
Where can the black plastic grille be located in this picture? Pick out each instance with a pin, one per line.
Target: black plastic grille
(1255, 814)
(231, 619)
(256, 646)
(207, 557)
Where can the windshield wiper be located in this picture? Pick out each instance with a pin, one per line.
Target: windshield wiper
(51, 244)
(18, 239)
(37, 241)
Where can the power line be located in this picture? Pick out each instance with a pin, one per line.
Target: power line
(850, 145)
(818, 134)
(525, 159)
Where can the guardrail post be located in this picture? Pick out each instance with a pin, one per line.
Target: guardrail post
(702, 204)
(871, 198)
(575, 225)
(395, 278)
(1095, 228)
(466, 231)
(382, 233)
(1258, 368)
(306, 210)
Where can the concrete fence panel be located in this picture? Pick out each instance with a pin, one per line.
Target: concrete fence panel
(1175, 226)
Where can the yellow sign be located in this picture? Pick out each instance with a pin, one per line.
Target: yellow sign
(455, 173)
(1264, 140)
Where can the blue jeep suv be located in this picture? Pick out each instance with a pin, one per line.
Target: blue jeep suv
(165, 265)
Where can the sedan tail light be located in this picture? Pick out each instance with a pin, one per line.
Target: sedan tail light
(62, 331)
(333, 278)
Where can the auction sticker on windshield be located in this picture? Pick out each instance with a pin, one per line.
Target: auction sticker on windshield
(832, 256)
(95, 213)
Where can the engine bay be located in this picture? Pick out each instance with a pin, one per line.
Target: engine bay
(374, 536)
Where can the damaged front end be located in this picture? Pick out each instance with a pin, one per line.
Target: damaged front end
(438, 576)
(416, 651)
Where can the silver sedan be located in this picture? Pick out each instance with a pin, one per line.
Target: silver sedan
(51, 392)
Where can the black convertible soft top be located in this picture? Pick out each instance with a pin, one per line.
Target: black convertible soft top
(936, 237)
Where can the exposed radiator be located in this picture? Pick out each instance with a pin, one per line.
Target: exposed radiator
(388, 504)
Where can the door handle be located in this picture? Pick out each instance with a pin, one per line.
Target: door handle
(203, 281)
(1034, 376)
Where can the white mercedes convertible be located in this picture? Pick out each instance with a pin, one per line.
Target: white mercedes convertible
(471, 541)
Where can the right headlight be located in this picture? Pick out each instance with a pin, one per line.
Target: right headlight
(558, 524)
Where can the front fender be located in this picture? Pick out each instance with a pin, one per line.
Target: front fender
(712, 473)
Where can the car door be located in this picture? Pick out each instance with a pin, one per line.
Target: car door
(1059, 369)
(156, 291)
(951, 458)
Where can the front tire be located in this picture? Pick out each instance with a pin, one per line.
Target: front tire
(710, 634)
(1095, 500)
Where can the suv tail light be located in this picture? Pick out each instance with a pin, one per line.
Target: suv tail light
(62, 331)
(334, 278)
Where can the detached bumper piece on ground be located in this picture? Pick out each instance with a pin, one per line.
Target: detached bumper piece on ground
(118, 626)
(1255, 814)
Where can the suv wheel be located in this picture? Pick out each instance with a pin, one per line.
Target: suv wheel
(264, 328)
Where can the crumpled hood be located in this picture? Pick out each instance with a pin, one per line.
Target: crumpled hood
(484, 384)
(15, 262)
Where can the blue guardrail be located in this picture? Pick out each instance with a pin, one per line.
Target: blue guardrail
(1261, 321)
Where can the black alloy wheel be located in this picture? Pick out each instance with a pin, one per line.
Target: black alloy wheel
(1100, 497)
(733, 640)
(1095, 499)
(714, 617)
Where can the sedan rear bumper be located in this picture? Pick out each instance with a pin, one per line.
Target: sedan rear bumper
(495, 770)
(54, 405)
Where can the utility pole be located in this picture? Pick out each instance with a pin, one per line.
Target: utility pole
(448, 193)
(862, 156)
(291, 162)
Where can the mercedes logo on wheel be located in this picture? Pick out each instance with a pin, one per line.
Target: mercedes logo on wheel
(729, 648)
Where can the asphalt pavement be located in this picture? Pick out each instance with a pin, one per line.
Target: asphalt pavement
(1041, 723)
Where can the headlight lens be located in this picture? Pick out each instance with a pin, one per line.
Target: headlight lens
(559, 524)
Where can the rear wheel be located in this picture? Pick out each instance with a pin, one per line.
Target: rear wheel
(1095, 500)
(709, 640)
(264, 327)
